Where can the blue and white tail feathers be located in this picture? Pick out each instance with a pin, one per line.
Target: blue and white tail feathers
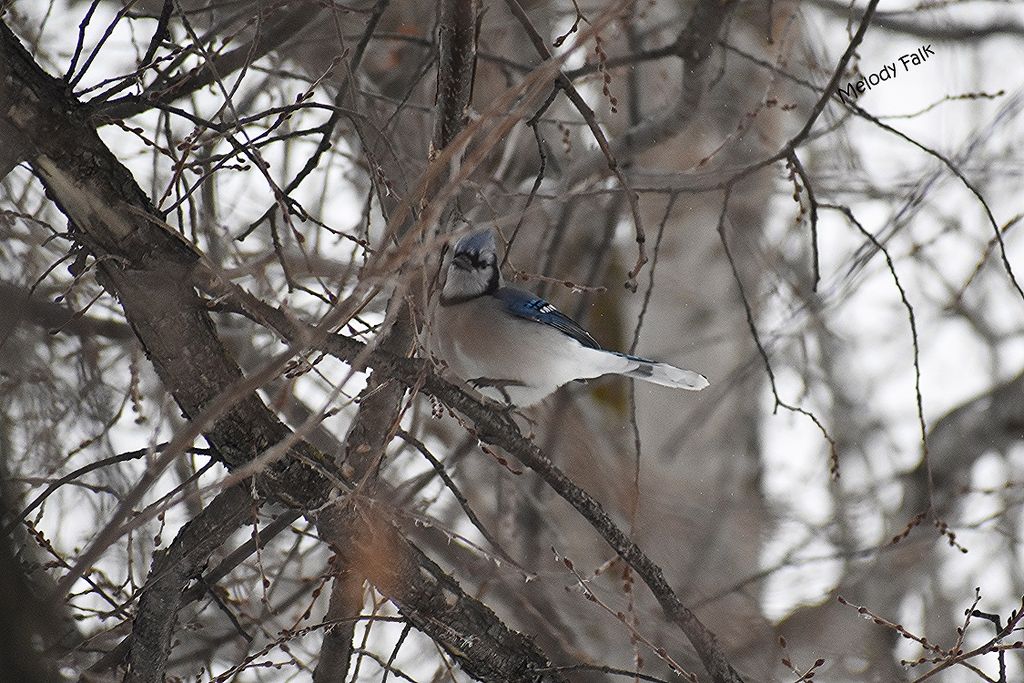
(662, 373)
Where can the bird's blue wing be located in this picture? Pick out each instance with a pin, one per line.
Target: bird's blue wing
(531, 307)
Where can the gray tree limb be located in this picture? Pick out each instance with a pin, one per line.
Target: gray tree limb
(172, 569)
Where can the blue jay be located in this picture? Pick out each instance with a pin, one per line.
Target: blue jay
(516, 347)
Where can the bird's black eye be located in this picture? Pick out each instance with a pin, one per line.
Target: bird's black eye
(472, 260)
(462, 261)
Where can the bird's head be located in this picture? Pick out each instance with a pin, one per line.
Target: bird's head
(473, 269)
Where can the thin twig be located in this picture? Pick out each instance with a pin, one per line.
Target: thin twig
(563, 83)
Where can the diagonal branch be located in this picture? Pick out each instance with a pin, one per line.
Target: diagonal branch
(164, 589)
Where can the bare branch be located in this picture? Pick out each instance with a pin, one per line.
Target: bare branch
(165, 586)
(944, 30)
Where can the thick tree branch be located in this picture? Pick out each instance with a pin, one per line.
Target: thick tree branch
(457, 29)
(12, 151)
(171, 571)
(346, 601)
